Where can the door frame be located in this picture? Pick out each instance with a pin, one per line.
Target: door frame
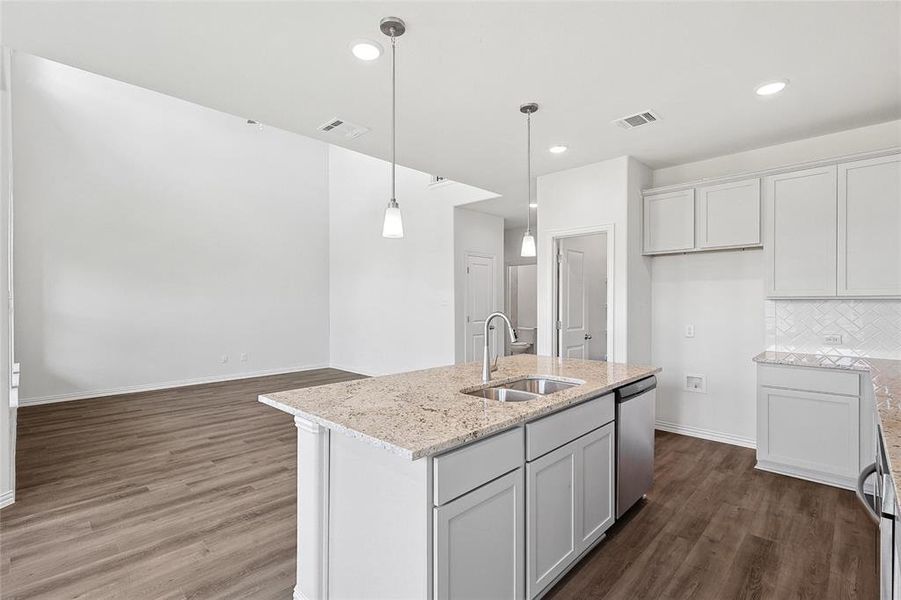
(557, 236)
(466, 308)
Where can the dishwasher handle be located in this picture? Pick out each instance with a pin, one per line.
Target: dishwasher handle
(636, 389)
(861, 480)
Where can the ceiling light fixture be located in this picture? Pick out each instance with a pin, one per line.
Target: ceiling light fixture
(558, 149)
(366, 50)
(393, 227)
(773, 87)
(528, 240)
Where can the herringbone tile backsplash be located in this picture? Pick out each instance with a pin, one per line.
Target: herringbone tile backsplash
(868, 327)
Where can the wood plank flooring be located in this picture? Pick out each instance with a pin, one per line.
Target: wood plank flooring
(189, 493)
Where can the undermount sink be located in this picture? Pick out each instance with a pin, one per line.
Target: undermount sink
(520, 390)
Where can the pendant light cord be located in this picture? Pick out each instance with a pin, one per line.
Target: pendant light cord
(529, 170)
(393, 114)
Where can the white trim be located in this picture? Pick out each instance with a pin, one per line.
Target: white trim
(555, 235)
(848, 483)
(351, 369)
(706, 434)
(7, 498)
(169, 384)
(828, 162)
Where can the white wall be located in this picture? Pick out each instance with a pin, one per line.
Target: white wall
(7, 413)
(581, 200)
(482, 234)
(842, 143)
(722, 295)
(392, 300)
(154, 236)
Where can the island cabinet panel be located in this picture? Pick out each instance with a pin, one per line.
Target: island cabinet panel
(557, 429)
(479, 545)
(569, 505)
(801, 224)
(729, 215)
(869, 220)
(466, 468)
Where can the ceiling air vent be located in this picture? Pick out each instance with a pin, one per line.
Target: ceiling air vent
(342, 127)
(637, 120)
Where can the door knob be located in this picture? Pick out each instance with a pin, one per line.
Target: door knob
(587, 336)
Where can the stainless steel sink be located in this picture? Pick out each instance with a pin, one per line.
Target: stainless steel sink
(539, 385)
(520, 390)
(503, 394)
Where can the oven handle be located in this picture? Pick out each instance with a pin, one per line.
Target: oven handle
(861, 480)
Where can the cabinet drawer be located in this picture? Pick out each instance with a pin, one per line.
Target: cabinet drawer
(809, 379)
(553, 431)
(466, 468)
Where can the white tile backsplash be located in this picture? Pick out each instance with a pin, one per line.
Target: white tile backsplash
(867, 327)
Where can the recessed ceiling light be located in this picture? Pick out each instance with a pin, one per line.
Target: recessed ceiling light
(366, 49)
(773, 87)
(559, 149)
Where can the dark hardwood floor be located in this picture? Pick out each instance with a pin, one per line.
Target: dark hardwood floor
(189, 493)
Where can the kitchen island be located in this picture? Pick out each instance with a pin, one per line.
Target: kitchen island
(409, 487)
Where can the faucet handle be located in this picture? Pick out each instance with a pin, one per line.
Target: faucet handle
(494, 366)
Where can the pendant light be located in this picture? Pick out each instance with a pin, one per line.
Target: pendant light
(393, 226)
(528, 240)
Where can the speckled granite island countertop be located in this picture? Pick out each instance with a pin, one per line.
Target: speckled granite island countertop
(422, 413)
(886, 377)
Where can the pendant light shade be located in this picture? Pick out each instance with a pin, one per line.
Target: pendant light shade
(528, 249)
(393, 227)
(394, 222)
(528, 245)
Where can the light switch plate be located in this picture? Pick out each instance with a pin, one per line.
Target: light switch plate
(689, 331)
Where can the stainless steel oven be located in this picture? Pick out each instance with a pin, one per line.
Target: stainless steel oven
(882, 509)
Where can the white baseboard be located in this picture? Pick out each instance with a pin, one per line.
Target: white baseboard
(848, 483)
(350, 369)
(167, 385)
(707, 434)
(7, 498)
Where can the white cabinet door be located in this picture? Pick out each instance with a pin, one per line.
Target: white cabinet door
(551, 516)
(669, 222)
(595, 476)
(800, 242)
(869, 227)
(811, 434)
(479, 548)
(729, 214)
(569, 504)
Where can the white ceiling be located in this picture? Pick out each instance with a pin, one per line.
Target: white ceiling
(464, 69)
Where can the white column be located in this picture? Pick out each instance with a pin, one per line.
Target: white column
(312, 510)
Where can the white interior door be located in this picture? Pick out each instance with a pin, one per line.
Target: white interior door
(582, 302)
(480, 303)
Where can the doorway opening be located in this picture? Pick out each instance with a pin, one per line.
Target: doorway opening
(583, 296)
(522, 307)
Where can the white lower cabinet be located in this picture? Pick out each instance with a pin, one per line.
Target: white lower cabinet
(570, 504)
(479, 546)
(810, 422)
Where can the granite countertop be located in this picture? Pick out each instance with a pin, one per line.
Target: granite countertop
(886, 377)
(422, 413)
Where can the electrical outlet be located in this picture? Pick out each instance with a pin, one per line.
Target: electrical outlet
(223, 359)
(689, 331)
(696, 383)
(243, 357)
(833, 339)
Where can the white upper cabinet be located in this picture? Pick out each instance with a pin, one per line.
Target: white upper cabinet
(869, 227)
(669, 222)
(801, 226)
(729, 215)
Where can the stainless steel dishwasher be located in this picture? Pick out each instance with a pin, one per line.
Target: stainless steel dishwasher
(635, 412)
